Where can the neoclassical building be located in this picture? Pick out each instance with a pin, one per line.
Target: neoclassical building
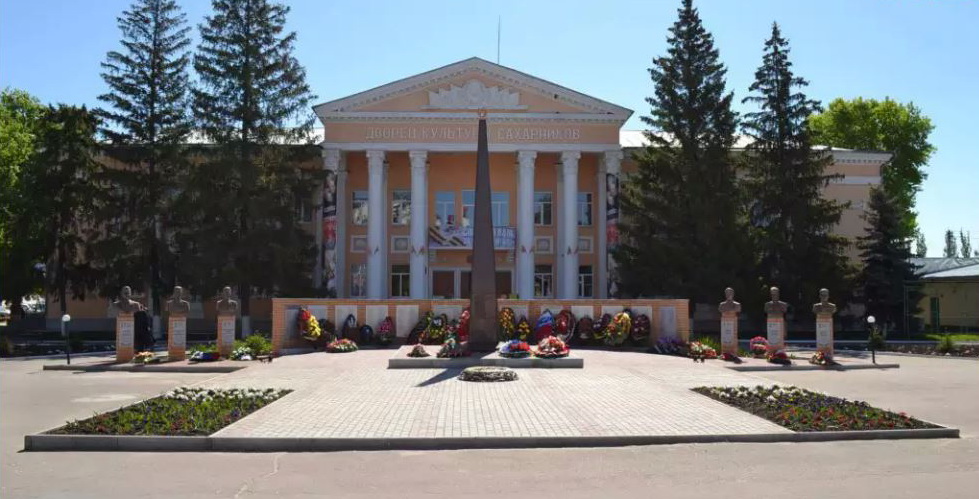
(406, 150)
(394, 216)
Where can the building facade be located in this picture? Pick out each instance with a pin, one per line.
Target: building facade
(394, 216)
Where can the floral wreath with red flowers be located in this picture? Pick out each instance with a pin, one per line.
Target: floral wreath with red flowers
(342, 345)
(551, 347)
(515, 349)
(758, 346)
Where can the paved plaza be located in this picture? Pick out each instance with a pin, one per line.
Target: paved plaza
(349, 394)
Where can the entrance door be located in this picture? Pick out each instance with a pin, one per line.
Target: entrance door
(443, 283)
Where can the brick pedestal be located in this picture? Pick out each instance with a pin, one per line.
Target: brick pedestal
(125, 333)
(729, 333)
(177, 338)
(226, 334)
(775, 327)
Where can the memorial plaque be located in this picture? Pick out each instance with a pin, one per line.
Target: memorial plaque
(729, 333)
(824, 334)
(667, 322)
(226, 334)
(776, 332)
(125, 328)
(177, 344)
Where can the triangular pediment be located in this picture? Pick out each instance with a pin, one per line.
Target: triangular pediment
(470, 85)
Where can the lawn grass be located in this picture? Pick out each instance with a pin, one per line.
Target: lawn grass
(956, 337)
(801, 410)
(183, 412)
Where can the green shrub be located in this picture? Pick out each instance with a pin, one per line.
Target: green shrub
(945, 344)
(208, 348)
(710, 341)
(258, 344)
(876, 339)
(76, 344)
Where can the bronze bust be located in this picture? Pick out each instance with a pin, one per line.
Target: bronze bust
(227, 306)
(177, 306)
(824, 307)
(776, 306)
(125, 304)
(729, 305)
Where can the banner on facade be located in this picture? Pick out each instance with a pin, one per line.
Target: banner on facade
(504, 238)
(612, 231)
(330, 233)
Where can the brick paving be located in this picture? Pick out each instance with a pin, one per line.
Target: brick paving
(617, 393)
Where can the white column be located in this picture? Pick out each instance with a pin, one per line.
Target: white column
(342, 221)
(376, 223)
(569, 211)
(419, 224)
(611, 165)
(525, 224)
(559, 222)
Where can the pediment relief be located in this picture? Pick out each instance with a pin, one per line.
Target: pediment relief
(474, 94)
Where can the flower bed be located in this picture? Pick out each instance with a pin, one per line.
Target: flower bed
(184, 411)
(802, 410)
(955, 351)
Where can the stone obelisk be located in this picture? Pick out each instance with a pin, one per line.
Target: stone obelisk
(482, 303)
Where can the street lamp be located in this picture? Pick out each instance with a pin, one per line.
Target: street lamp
(65, 319)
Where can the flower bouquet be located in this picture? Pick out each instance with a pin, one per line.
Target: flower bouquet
(523, 330)
(564, 325)
(551, 347)
(452, 348)
(730, 357)
(758, 346)
(515, 349)
(507, 321)
(145, 358)
(342, 345)
(309, 327)
(385, 332)
(699, 351)
(437, 330)
(418, 351)
(204, 353)
(778, 356)
(670, 346)
(366, 334)
(640, 329)
(241, 353)
(545, 325)
(582, 331)
(463, 328)
(822, 359)
(618, 329)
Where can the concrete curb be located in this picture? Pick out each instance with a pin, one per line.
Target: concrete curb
(810, 367)
(110, 443)
(146, 368)
(925, 356)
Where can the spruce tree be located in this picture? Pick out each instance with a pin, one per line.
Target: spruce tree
(887, 266)
(146, 124)
(966, 245)
(682, 226)
(253, 104)
(920, 247)
(60, 181)
(785, 178)
(951, 248)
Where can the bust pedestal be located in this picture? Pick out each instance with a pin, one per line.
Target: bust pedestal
(177, 337)
(226, 334)
(729, 333)
(125, 331)
(824, 333)
(775, 329)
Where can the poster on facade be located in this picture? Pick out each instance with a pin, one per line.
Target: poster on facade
(329, 255)
(611, 231)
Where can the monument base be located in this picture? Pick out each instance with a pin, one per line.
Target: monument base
(400, 360)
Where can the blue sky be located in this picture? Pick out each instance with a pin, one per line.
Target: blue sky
(925, 51)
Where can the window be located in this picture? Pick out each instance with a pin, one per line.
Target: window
(400, 207)
(400, 281)
(501, 209)
(358, 280)
(543, 203)
(585, 280)
(543, 281)
(304, 209)
(468, 207)
(359, 208)
(584, 209)
(445, 209)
